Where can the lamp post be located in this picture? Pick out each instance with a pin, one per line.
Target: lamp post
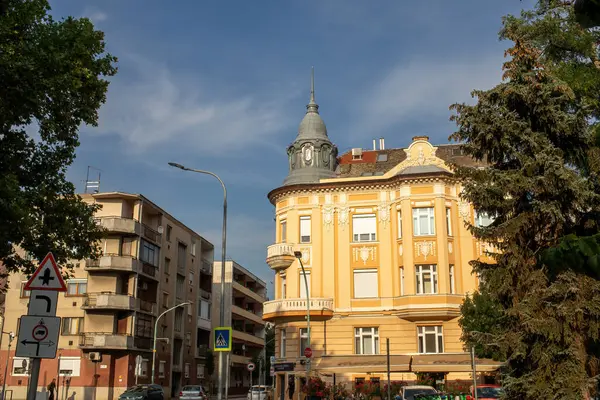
(187, 303)
(298, 255)
(11, 337)
(222, 370)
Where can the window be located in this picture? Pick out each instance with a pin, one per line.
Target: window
(283, 344)
(25, 293)
(451, 271)
(167, 265)
(431, 339)
(180, 287)
(204, 310)
(283, 231)
(178, 319)
(188, 337)
(193, 248)
(482, 219)
(72, 326)
(401, 281)
(199, 371)
(427, 282)
(399, 225)
(365, 283)
(191, 278)
(423, 221)
(305, 229)
(161, 369)
(382, 157)
(366, 340)
(69, 366)
(303, 284)
(144, 369)
(283, 287)
(181, 255)
(364, 228)
(126, 245)
(169, 230)
(76, 287)
(303, 340)
(18, 368)
(186, 370)
(150, 253)
(448, 222)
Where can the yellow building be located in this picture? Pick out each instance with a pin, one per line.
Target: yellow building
(382, 236)
(150, 261)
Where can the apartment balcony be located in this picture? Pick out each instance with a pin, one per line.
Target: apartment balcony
(424, 307)
(113, 262)
(248, 292)
(106, 341)
(108, 301)
(203, 324)
(280, 256)
(117, 224)
(151, 234)
(201, 351)
(206, 267)
(248, 338)
(321, 309)
(237, 359)
(205, 294)
(249, 315)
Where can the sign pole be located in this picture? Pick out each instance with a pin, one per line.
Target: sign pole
(389, 388)
(35, 375)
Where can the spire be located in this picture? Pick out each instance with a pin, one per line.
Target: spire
(312, 105)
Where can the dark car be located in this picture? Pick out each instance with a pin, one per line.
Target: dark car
(143, 392)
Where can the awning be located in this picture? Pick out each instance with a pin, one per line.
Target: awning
(458, 362)
(364, 364)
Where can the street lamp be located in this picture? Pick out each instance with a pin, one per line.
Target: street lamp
(11, 337)
(298, 255)
(222, 370)
(187, 303)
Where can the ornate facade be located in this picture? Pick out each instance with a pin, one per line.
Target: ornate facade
(386, 251)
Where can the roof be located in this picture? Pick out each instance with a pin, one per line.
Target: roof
(378, 162)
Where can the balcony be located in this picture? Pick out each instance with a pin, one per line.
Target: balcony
(151, 234)
(117, 224)
(280, 256)
(248, 292)
(112, 262)
(321, 309)
(249, 315)
(237, 359)
(201, 351)
(248, 338)
(108, 301)
(206, 267)
(206, 295)
(202, 323)
(103, 341)
(424, 307)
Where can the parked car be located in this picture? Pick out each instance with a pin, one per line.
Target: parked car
(487, 392)
(260, 392)
(409, 392)
(143, 392)
(193, 392)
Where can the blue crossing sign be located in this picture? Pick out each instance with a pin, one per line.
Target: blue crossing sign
(223, 339)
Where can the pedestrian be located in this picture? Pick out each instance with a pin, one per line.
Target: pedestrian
(51, 387)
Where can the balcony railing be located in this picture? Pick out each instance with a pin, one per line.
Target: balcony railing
(151, 234)
(146, 306)
(108, 301)
(201, 351)
(113, 262)
(206, 267)
(205, 294)
(280, 255)
(115, 223)
(149, 269)
(105, 340)
(250, 315)
(319, 307)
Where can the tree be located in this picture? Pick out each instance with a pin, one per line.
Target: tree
(52, 83)
(541, 184)
(481, 317)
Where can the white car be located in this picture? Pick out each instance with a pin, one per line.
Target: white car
(259, 392)
(193, 392)
(409, 392)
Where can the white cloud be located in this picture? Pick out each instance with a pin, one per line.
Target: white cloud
(423, 89)
(153, 108)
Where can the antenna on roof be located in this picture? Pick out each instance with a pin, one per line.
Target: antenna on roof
(92, 186)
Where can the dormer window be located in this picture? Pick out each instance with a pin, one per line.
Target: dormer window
(356, 154)
(382, 157)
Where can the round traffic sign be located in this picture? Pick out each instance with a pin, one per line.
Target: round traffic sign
(308, 352)
(251, 366)
(40, 332)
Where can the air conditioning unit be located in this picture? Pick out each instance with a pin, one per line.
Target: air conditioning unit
(357, 154)
(95, 356)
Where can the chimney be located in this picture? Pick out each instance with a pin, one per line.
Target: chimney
(374, 144)
(425, 138)
(381, 143)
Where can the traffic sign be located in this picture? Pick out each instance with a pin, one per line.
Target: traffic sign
(308, 352)
(251, 366)
(38, 336)
(46, 277)
(223, 339)
(272, 371)
(272, 360)
(42, 303)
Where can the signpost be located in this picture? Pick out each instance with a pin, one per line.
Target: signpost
(39, 329)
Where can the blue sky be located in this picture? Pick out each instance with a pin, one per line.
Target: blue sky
(223, 85)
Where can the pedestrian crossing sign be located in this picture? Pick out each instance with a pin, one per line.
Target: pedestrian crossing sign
(223, 339)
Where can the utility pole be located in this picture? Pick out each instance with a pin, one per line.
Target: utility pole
(11, 337)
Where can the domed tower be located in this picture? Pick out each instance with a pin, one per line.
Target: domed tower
(311, 156)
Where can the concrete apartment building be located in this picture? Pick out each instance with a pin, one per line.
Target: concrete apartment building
(245, 294)
(382, 236)
(150, 261)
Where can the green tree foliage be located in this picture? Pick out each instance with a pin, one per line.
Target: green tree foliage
(533, 130)
(210, 363)
(482, 317)
(51, 76)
